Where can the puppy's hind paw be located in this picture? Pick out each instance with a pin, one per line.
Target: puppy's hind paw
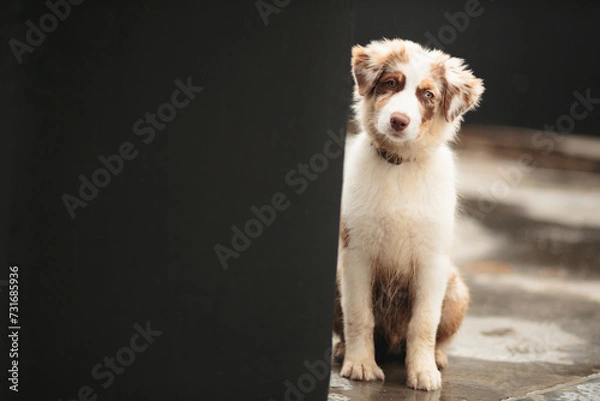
(339, 351)
(441, 360)
(425, 379)
(366, 370)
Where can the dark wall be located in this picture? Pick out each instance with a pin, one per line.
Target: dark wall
(533, 55)
(130, 276)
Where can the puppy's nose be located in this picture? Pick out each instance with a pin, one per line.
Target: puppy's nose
(399, 121)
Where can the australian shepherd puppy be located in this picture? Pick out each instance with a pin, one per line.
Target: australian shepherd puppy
(396, 282)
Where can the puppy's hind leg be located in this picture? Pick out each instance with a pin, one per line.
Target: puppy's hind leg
(456, 303)
(338, 328)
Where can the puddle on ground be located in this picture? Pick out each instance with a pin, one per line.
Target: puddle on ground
(514, 340)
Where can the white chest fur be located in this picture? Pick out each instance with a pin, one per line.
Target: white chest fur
(397, 212)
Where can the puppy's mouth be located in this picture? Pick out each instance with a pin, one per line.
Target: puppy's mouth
(399, 136)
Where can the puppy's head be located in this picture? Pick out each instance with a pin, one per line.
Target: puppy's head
(406, 93)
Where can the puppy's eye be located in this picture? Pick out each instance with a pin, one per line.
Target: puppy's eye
(391, 83)
(429, 95)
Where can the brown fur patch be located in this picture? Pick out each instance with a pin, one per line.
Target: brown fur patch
(338, 316)
(397, 77)
(467, 92)
(398, 54)
(392, 304)
(427, 114)
(390, 82)
(467, 98)
(387, 86)
(454, 308)
(428, 105)
(365, 74)
(339, 351)
(344, 235)
(438, 71)
(359, 55)
(449, 92)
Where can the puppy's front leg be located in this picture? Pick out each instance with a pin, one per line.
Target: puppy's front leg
(359, 323)
(428, 288)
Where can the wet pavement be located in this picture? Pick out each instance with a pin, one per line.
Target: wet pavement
(528, 245)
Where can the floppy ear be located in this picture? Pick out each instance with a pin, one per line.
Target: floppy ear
(462, 90)
(365, 71)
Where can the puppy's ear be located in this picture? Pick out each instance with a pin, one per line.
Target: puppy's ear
(365, 71)
(462, 90)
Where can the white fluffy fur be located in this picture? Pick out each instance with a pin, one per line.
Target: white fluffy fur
(401, 216)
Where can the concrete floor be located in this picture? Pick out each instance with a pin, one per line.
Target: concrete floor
(528, 245)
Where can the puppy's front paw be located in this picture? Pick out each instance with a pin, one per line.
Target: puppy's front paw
(424, 379)
(365, 369)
